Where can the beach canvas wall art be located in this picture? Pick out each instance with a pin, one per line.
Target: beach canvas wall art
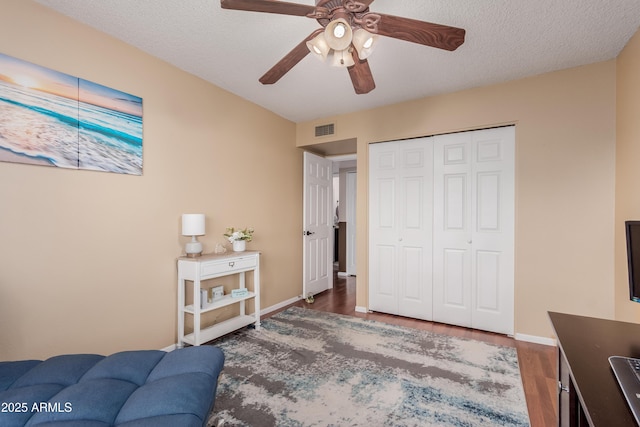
(54, 119)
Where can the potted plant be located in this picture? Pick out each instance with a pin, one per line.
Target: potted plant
(239, 238)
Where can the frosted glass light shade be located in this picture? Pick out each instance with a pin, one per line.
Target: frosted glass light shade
(341, 58)
(318, 47)
(338, 34)
(364, 42)
(193, 224)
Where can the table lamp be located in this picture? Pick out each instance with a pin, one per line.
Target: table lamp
(193, 225)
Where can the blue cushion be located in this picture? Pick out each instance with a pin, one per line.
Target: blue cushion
(132, 366)
(63, 370)
(189, 359)
(11, 371)
(188, 393)
(23, 400)
(79, 423)
(96, 400)
(129, 389)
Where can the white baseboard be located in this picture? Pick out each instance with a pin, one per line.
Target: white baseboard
(536, 340)
(359, 309)
(279, 305)
(170, 348)
(262, 313)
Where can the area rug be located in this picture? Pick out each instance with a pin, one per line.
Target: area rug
(310, 368)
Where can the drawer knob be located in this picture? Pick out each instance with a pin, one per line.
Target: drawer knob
(232, 263)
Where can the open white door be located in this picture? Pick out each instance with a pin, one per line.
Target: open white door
(318, 225)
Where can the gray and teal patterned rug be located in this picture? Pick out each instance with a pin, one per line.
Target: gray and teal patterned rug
(311, 368)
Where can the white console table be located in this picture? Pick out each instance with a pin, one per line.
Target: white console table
(210, 267)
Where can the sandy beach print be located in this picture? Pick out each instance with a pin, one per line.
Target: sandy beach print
(51, 118)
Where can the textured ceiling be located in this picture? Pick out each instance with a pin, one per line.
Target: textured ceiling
(505, 40)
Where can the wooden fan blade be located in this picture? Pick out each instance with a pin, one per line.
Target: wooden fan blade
(289, 61)
(361, 76)
(269, 6)
(421, 32)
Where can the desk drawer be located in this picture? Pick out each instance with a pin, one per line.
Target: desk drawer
(227, 266)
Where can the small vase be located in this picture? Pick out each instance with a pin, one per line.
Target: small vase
(239, 245)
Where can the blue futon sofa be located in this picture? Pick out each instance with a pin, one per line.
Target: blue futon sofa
(147, 388)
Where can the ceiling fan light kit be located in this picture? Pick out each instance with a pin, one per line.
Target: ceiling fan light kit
(348, 35)
(338, 39)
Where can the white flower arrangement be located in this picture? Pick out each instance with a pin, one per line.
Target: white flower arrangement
(232, 234)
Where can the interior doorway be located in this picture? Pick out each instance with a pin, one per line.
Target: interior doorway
(341, 158)
(344, 208)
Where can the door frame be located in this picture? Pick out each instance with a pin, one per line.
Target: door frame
(352, 200)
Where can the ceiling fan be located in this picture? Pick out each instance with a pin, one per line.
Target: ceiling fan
(348, 34)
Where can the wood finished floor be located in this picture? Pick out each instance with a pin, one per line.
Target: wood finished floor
(537, 362)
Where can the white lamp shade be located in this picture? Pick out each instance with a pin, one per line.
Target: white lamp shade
(364, 42)
(193, 224)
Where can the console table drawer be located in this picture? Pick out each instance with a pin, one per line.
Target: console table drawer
(227, 267)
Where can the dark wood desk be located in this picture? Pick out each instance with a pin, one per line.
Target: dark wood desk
(590, 395)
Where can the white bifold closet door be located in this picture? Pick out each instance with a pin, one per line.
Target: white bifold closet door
(473, 227)
(400, 233)
(460, 222)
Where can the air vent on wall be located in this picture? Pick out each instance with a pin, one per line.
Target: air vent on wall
(324, 130)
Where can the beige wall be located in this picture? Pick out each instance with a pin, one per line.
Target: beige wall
(627, 168)
(87, 259)
(565, 159)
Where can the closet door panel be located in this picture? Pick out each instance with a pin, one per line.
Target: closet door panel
(454, 280)
(385, 270)
(454, 196)
(412, 284)
(412, 273)
(493, 223)
(452, 296)
(383, 228)
(415, 233)
(400, 228)
(488, 201)
(385, 205)
(454, 301)
(413, 198)
(488, 281)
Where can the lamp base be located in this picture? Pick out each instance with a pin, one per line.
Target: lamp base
(193, 248)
